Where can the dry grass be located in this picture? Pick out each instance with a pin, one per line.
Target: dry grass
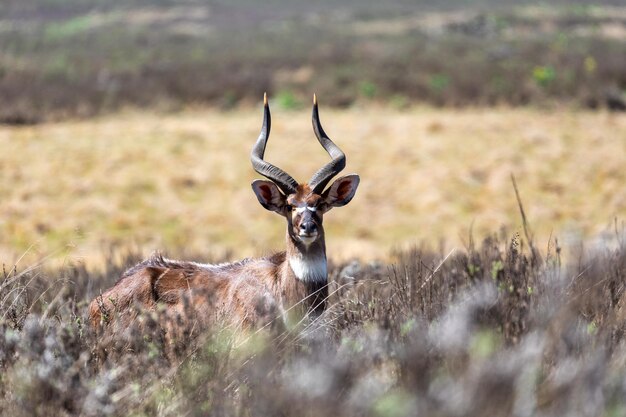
(491, 331)
(182, 180)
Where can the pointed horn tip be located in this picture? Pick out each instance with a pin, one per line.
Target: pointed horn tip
(314, 99)
(265, 99)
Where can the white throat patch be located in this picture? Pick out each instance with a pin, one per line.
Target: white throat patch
(309, 270)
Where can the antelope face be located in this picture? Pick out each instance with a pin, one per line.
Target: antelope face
(304, 215)
(304, 209)
(303, 205)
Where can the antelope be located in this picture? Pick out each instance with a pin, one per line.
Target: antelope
(291, 284)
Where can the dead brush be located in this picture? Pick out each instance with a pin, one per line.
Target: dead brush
(480, 331)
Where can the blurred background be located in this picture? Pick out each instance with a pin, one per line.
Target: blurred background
(129, 123)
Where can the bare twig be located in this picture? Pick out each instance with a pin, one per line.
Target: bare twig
(527, 232)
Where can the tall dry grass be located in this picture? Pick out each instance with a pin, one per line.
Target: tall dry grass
(492, 330)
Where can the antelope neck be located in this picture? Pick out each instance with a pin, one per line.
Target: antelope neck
(308, 263)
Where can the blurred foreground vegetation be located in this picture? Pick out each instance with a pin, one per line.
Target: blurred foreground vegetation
(81, 57)
(497, 329)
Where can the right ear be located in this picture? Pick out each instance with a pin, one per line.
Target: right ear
(269, 195)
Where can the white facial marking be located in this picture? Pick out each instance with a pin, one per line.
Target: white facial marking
(309, 270)
(302, 209)
(307, 240)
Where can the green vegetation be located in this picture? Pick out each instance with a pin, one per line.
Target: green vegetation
(544, 76)
(287, 100)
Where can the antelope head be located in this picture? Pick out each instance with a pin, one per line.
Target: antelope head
(303, 205)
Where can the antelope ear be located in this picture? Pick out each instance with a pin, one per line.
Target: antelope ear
(269, 195)
(341, 192)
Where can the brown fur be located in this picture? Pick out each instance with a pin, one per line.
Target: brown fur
(251, 293)
(247, 294)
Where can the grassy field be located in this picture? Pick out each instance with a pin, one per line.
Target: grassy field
(180, 182)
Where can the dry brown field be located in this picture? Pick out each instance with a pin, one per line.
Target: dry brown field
(180, 182)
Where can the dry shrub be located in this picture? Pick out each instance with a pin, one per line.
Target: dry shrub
(490, 330)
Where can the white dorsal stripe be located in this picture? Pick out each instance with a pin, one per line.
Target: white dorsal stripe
(309, 269)
(201, 265)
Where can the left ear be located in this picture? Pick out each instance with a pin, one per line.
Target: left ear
(341, 192)
(268, 195)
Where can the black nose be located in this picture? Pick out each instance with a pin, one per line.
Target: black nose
(308, 228)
